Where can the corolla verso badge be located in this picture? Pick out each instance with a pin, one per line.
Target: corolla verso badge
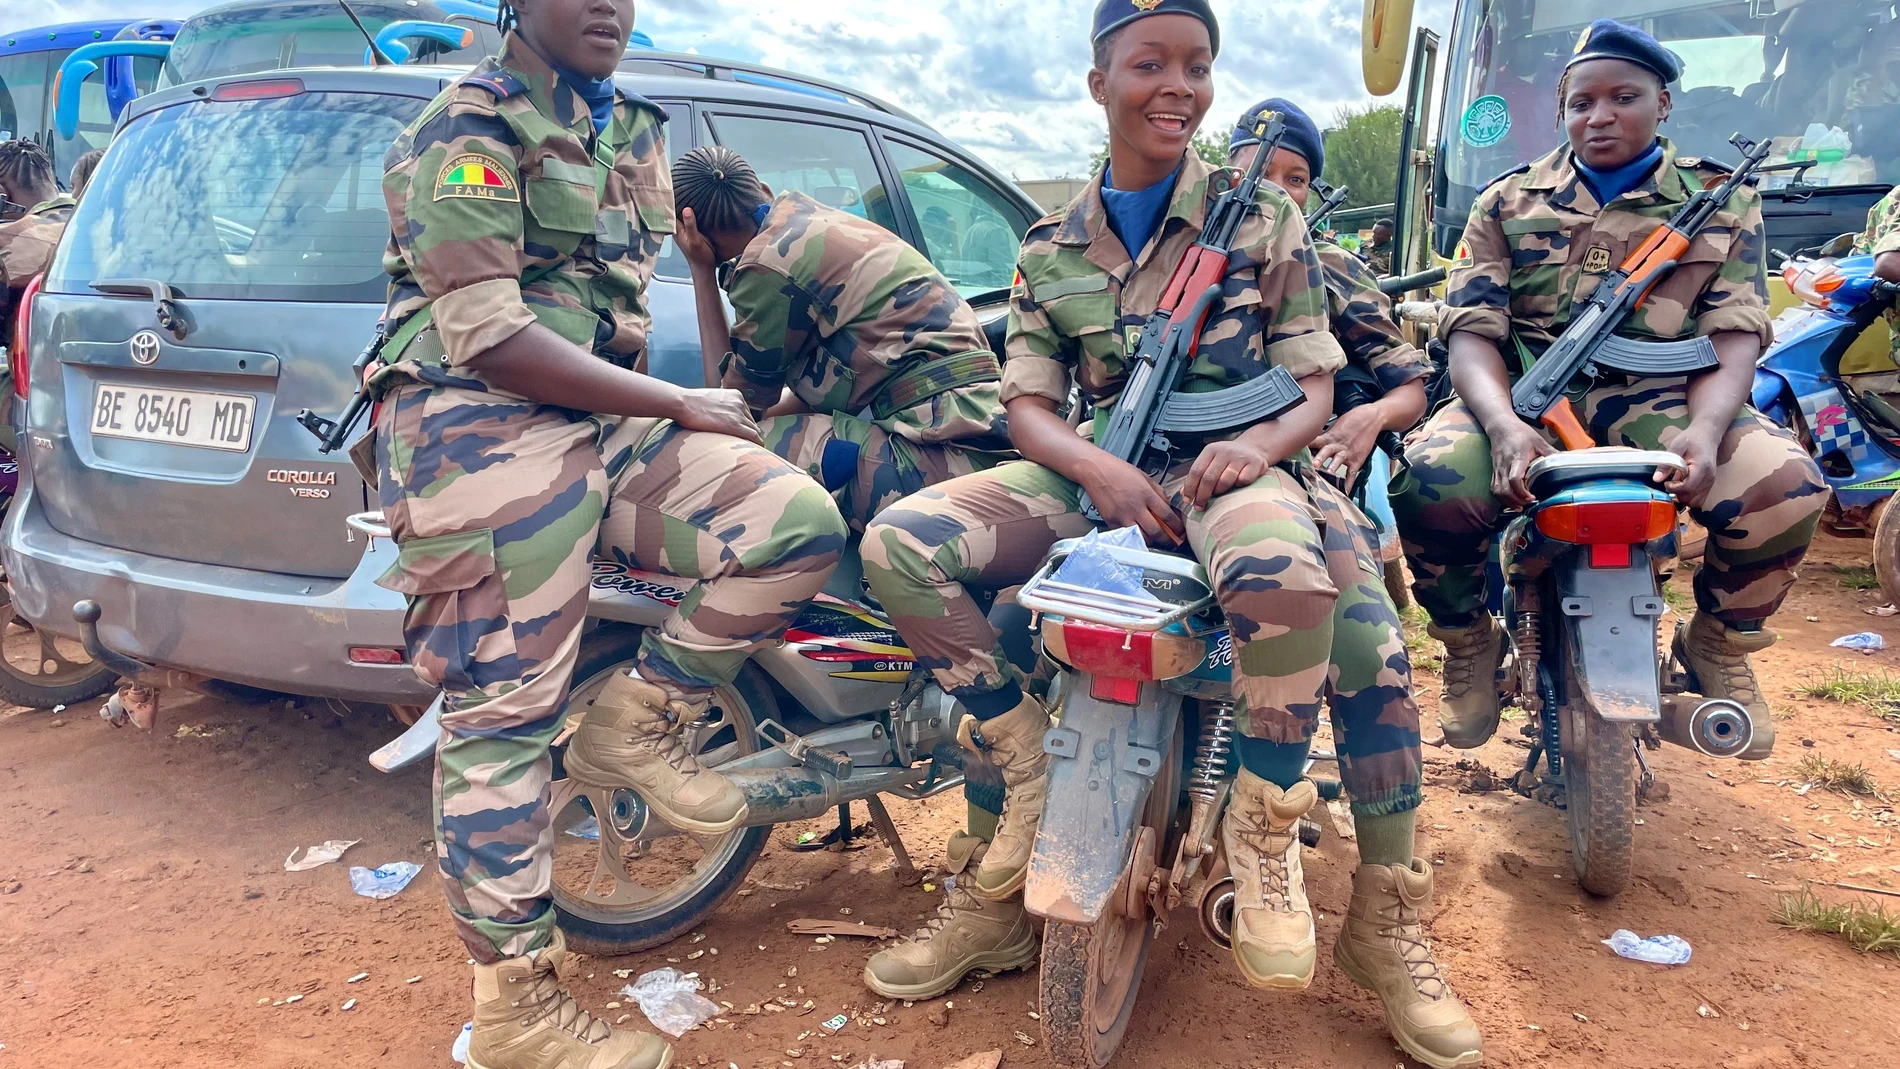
(145, 348)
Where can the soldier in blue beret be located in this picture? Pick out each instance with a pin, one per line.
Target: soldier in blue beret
(1111, 16)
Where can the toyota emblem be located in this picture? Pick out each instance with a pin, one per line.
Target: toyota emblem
(145, 348)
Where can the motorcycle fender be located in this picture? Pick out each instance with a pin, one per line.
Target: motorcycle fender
(1609, 622)
(1103, 758)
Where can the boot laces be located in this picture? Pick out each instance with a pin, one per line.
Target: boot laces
(1276, 881)
(547, 1000)
(1462, 658)
(1414, 949)
(957, 901)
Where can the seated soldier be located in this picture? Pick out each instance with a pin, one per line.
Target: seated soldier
(1540, 238)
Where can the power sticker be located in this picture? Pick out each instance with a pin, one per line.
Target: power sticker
(1486, 121)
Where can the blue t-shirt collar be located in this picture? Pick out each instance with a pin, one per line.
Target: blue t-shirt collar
(1135, 215)
(597, 93)
(1612, 183)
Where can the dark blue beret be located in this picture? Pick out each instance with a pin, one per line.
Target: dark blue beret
(1112, 15)
(1610, 39)
(1302, 136)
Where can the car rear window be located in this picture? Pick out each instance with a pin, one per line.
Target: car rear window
(275, 199)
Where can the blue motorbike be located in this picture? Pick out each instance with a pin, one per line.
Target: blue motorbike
(1854, 435)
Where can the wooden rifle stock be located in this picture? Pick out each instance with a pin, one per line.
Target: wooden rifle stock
(1562, 420)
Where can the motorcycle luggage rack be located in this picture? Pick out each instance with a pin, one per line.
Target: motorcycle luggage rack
(1044, 593)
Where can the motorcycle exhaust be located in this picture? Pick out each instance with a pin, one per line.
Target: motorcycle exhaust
(778, 795)
(1716, 728)
(1217, 912)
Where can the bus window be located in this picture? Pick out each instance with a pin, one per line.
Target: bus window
(23, 86)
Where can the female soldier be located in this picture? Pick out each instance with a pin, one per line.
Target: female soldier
(1090, 277)
(1539, 238)
(527, 205)
(853, 319)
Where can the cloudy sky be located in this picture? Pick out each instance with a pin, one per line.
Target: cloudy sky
(1005, 78)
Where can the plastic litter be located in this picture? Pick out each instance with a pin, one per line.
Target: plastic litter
(671, 1000)
(1865, 640)
(321, 854)
(1091, 566)
(460, 1050)
(1657, 949)
(587, 829)
(386, 882)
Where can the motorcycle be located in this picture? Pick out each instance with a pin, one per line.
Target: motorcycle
(834, 713)
(1854, 435)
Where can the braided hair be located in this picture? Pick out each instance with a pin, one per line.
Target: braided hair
(26, 165)
(505, 18)
(720, 187)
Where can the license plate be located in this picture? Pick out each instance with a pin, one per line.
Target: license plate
(179, 417)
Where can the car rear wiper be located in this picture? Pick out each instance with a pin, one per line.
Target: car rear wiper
(163, 300)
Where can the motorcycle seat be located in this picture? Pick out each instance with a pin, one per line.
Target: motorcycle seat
(1551, 474)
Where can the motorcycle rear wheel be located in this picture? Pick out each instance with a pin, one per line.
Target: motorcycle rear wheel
(1091, 974)
(1599, 798)
(626, 892)
(1887, 551)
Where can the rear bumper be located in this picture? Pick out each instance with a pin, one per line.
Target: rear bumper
(280, 632)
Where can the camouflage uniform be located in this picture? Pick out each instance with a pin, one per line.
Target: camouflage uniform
(1379, 259)
(857, 322)
(1538, 242)
(501, 219)
(1883, 235)
(26, 249)
(1277, 550)
(1361, 318)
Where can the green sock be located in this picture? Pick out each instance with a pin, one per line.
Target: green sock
(1279, 763)
(1386, 840)
(981, 822)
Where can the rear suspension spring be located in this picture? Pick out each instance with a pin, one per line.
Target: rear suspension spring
(1210, 755)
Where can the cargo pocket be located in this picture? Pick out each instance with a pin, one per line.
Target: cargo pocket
(563, 204)
(457, 626)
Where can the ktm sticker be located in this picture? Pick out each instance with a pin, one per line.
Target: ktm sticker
(1597, 260)
(476, 176)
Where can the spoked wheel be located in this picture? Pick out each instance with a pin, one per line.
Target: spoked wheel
(1887, 551)
(1091, 974)
(41, 670)
(1599, 798)
(624, 879)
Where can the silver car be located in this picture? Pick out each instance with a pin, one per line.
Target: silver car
(223, 272)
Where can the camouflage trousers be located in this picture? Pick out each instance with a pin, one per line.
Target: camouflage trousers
(1296, 573)
(498, 505)
(1760, 513)
(863, 466)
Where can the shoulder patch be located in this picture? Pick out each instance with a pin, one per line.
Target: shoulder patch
(477, 177)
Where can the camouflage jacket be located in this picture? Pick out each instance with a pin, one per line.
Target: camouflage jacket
(26, 244)
(1538, 243)
(1077, 309)
(1883, 235)
(1378, 259)
(505, 209)
(1362, 321)
(851, 317)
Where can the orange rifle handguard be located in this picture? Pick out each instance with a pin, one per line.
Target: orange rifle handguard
(1562, 419)
(1663, 245)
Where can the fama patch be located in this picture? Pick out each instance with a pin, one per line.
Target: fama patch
(475, 176)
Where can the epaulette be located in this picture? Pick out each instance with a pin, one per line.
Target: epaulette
(501, 83)
(1521, 168)
(1703, 171)
(639, 101)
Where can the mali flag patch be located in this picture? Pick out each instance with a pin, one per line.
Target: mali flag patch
(475, 176)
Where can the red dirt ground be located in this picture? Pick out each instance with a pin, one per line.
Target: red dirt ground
(146, 919)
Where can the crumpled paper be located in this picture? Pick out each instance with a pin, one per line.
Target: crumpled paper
(321, 854)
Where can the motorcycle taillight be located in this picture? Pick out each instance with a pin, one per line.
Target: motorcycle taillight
(1589, 523)
(1113, 653)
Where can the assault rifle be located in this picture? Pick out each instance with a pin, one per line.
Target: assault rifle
(1149, 404)
(1589, 342)
(1330, 198)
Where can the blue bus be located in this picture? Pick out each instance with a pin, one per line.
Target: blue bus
(29, 60)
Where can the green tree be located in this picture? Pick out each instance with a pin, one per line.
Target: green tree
(1210, 147)
(1362, 152)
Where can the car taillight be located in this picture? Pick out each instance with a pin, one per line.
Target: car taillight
(278, 87)
(22, 317)
(1623, 523)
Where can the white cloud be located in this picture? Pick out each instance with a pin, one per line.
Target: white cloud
(1005, 79)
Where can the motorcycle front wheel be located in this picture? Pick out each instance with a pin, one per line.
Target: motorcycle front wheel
(624, 880)
(1599, 796)
(1091, 974)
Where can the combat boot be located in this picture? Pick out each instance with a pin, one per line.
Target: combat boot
(1273, 923)
(633, 736)
(968, 933)
(524, 1019)
(1716, 656)
(1013, 743)
(1382, 948)
(1468, 710)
